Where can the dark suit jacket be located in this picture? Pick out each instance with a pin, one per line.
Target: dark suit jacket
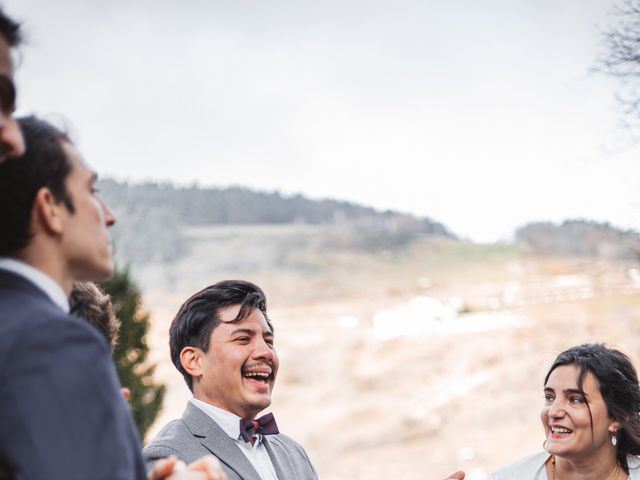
(61, 412)
(196, 434)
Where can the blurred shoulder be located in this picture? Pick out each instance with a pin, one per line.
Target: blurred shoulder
(525, 467)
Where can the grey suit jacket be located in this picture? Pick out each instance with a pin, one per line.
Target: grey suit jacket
(196, 434)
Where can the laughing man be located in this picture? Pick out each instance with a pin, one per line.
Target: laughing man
(222, 342)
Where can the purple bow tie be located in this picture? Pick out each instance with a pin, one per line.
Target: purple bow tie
(265, 425)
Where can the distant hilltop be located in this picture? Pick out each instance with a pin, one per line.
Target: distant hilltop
(152, 217)
(580, 237)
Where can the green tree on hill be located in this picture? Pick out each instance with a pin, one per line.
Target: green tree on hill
(131, 351)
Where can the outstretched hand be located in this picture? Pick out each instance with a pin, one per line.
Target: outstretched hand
(456, 476)
(163, 468)
(205, 468)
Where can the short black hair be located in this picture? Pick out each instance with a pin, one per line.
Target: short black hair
(43, 165)
(198, 316)
(618, 382)
(10, 29)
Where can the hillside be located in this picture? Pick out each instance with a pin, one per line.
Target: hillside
(152, 218)
(579, 237)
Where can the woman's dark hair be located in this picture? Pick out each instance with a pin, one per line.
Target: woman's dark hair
(618, 382)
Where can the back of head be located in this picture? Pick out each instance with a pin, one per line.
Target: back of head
(43, 165)
(91, 304)
(618, 382)
(198, 316)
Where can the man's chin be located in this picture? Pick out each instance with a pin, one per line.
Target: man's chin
(98, 274)
(260, 403)
(106, 273)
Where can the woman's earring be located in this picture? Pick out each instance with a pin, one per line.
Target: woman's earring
(614, 440)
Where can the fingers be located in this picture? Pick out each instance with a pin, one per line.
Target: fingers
(186, 475)
(163, 468)
(456, 476)
(180, 466)
(205, 468)
(210, 466)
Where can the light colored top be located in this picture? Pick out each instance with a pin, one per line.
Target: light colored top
(532, 468)
(257, 453)
(41, 280)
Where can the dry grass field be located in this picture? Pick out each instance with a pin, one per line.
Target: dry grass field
(408, 362)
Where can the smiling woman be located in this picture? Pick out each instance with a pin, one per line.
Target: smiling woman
(590, 417)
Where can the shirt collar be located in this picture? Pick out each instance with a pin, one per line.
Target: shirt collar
(43, 281)
(229, 422)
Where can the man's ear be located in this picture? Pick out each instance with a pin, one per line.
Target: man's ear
(190, 358)
(48, 212)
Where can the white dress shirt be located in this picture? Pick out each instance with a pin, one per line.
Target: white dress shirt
(41, 280)
(257, 453)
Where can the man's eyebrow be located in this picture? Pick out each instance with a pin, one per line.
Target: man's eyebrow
(250, 331)
(247, 331)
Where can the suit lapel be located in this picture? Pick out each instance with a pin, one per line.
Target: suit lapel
(216, 440)
(279, 457)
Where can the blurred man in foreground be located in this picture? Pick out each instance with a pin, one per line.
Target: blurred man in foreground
(60, 409)
(61, 412)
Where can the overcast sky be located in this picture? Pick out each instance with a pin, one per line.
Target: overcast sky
(480, 114)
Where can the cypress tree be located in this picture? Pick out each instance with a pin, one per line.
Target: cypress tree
(131, 350)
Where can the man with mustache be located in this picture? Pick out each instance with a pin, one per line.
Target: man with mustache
(222, 342)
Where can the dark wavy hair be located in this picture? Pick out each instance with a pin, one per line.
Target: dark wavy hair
(618, 382)
(198, 316)
(93, 305)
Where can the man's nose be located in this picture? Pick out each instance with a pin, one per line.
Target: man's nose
(263, 349)
(11, 140)
(109, 217)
